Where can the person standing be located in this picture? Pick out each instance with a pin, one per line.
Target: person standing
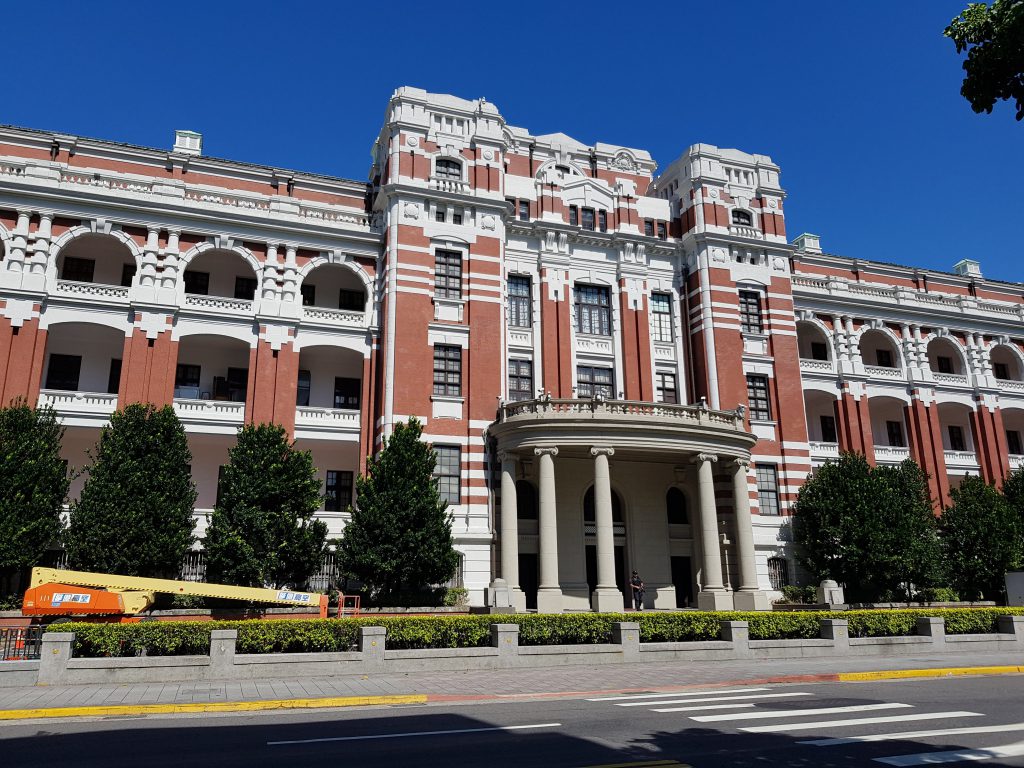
(637, 585)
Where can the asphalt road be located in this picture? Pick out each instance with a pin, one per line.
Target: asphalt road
(903, 723)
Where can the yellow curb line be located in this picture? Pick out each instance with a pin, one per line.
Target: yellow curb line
(896, 674)
(209, 706)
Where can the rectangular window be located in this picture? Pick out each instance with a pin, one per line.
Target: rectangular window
(1001, 371)
(524, 210)
(346, 393)
(767, 488)
(127, 275)
(520, 380)
(778, 573)
(197, 283)
(574, 215)
(520, 302)
(595, 382)
(828, 429)
(448, 274)
(245, 288)
(351, 300)
(602, 220)
(78, 270)
(237, 384)
(750, 312)
(593, 310)
(186, 375)
(456, 218)
(114, 377)
(662, 232)
(894, 431)
(63, 372)
(883, 357)
(1013, 442)
(439, 215)
(819, 350)
(757, 398)
(337, 490)
(447, 370)
(448, 473)
(945, 364)
(588, 218)
(308, 294)
(661, 317)
(649, 227)
(956, 438)
(302, 391)
(665, 386)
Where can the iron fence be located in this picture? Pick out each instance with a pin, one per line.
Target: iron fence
(20, 643)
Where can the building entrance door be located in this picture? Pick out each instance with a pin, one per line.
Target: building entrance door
(620, 573)
(682, 580)
(529, 578)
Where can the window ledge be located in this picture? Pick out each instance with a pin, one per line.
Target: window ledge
(764, 422)
(447, 399)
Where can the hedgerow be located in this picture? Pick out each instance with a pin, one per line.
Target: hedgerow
(180, 638)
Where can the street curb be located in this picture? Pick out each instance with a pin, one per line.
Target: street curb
(209, 706)
(901, 674)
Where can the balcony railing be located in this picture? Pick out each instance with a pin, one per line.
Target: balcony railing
(1010, 386)
(219, 304)
(92, 291)
(92, 405)
(884, 372)
(824, 450)
(210, 413)
(327, 419)
(1016, 461)
(961, 458)
(815, 366)
(955, 379)
(891, 453)
(546, 408)
(340, 317)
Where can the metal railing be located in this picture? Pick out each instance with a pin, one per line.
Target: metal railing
(20, 643)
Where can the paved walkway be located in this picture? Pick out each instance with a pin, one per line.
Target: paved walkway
(484, 684)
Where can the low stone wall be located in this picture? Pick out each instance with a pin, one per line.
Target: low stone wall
(57, 666)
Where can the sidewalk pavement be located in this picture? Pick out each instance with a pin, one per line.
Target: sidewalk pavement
(479, 685)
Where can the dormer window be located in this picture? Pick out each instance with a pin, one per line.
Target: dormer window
(588, 218)
(448, 169)
(743, 218)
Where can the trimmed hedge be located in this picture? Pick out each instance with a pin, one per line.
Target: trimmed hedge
(180, 638)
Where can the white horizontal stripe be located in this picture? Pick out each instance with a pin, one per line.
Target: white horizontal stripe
(702, 707)
(718, 698)
(800, 712)
(955, 756)
(676, 693)
(899, 736)
(414, 733)
(856, 721)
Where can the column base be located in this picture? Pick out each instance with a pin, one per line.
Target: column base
(606, 601)
(500, 595)
(549, 600)
(753, 600)
(715, 601)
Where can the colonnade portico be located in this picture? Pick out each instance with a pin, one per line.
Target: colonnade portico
(551, 445)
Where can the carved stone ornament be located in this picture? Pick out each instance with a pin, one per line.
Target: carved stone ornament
(773, 204)
(488, 154)
(714, 193)
(413, 141)
(718, 254)
(624, 162)
(487, 222)
(411, 210)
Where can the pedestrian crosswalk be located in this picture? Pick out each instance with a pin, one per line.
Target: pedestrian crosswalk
(783, 711)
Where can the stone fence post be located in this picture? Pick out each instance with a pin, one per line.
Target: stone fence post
(838, 631)
(371, 645)
(935, 628)
(222, 653)
(54, 654)
(505, 637)
(737, 633)
(627, 634)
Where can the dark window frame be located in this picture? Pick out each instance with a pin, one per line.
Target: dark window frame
(68, 372)
(520, 301)
(338, 485)
(595, 381)
(447, 274)
(448, 471)
(768, 501)
(593, 309)
(665, 385)
(448, 370)
(447, 168)
(78, 270)
(751, 312)
(520, 380)
(661, 317)
(759, 397)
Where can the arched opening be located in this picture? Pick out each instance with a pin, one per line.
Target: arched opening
(588, 506)
(83, 357)
(223, 273)
(96, 258)
(333, 286)
(820, 410)
(212, 368)
(446, 168)
(526, 500)
(945, 357)
(812, 342)
(742, 218)
(889, 429)
(878, 349)
(329, 377)
(1013, 422)
(955, 424)
(675, 507)
(1006, 364)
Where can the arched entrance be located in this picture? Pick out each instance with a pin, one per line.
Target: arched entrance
(590, 543)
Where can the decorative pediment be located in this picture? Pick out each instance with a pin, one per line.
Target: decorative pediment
(589, 193)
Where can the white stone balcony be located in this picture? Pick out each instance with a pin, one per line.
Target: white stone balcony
(326, 423)
(220, 305)
(951, 379)
(891, 454)
(741, 231)
(884, 372)
(92, 292)
(80, 409)
(1016, 461)
(816, 366)
(821, 451)
(213, 416)
(961, 459)
(1011, 386)
(337, 318)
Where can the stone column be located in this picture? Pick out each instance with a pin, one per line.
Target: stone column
(549, 591)
(607, 596)
(713, 595)
(504, 589)
(749, 597)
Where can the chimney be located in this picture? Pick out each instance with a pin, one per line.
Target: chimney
(967, 268)
(188, 142)
(808, 243)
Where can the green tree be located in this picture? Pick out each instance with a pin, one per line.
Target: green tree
(871, 529)
(262, 531)
(34, 480)
(135, 513)
(981, 536)
(400, 536)
(993, 36)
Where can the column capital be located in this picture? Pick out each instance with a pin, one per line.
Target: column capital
(552, 451)
(741, 463)
(504, 456)
(700, 458)
(602, 450)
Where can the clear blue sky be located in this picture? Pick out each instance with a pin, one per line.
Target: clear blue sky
(858, 102)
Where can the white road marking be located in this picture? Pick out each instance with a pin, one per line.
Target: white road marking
(703, 708)
(677, 693)
(856, 721)
(954, 756)
(715, 698)
(1006, 728)
(414, 733)
(765, 715)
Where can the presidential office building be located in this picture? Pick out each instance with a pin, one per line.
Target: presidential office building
(619, 368)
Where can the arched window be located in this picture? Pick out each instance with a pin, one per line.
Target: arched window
(448, 169)
(743, 218)
(778, 572)
(588, 507)
(526, 500)
(675, 506)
